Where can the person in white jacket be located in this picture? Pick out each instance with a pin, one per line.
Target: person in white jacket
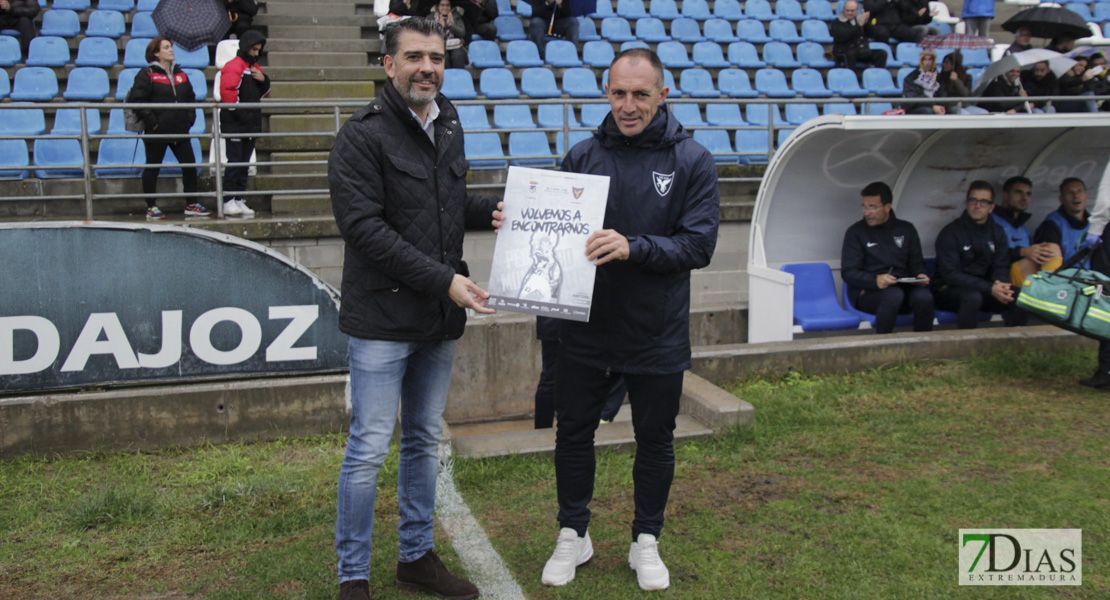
(1100, 215)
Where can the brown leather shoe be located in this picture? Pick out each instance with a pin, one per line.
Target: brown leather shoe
(358, 589)
(427, 574)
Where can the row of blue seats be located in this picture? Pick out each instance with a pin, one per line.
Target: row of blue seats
(1098, 12)
(101, 23)
(40, 84)
(699, 9)
(120, 5)
(50, 51)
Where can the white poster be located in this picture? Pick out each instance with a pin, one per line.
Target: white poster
(539, 260)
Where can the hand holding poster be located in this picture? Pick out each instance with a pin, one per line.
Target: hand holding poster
(539, 260)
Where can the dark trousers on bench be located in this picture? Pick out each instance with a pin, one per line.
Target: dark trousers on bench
(903, 298)
(967, 303)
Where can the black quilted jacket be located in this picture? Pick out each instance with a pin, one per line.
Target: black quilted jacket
(401, 206)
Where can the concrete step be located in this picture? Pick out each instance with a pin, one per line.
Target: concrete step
(297, 90)
(303, 123)
(296, 181)
(321, 9)
(298, 156)
(297, 143)
(307, 204)
(317, 59)
(310, 21)
(337, 32)
(297, 43)
(327, 73)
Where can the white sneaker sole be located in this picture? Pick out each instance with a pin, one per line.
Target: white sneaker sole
(585, 558)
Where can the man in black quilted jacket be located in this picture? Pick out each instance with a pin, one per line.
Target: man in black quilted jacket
(397, 175)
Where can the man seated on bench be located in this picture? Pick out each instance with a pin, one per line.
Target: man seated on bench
(1026, 258)
(1066, 227)
(881, 261)
(973, 262)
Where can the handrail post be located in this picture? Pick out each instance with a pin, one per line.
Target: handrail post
(87, 171)
(217, 158)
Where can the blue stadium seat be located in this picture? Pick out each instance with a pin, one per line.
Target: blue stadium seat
(142, 25)
(843, 82)
(650, 29)
(575, 137)
(105, 23)
(1101, 12)
(772, 82)
(553, 115)
(38, 84)
(1080, 9)
(604, 10)
(686, 30)
(782, 135)
(134, 53)
(944, 28)
(473, 116)
(751, 30)
(908, 53)
(170, 168)
(745, 56)
(758, 114)
(820, 10)
(753, 146)
(513, 116)
(10, 52)
(87, 83)
(458, 84)
(530, 143)
(199, 126)
(696, 9)
(581, 82)
(97, 52)
(523, 53)
(523, 9)
(891, 62)
(497, 83)
(724, 115)
(587, 31)
(634, 44)
(728, 9)
(631, 9)
(901, 77)
(124, 81)
(879, 82)
(486, 145)
(594, 114)
(482, 54)
(5, 86)
(698, 83)
(779, 55)
(878, 108)
(784, 31)
(759, 10)
(536, 82)
(115, 158)
(58, 153)
(123, 6)
(673, 55)
(13, 153)
(191, 59)
(67, 121)
(709, 56)
(720, 31)
(689, 115)
(816, 31)
(976, 58)
(718, 143)
(735, 84)
(199, 83)
(48, 51)
(509, 28)
(796, 114)
(815, 305)
(664, 9)
(598, 54)
(790, 10)
(77, 5)
(62, 23)
(146, 5)
(812, 54)
(23, 121)
(561, 53)
(839, 109)
(808, 82)
(616, 29)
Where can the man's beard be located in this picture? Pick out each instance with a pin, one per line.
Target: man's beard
(414, 98)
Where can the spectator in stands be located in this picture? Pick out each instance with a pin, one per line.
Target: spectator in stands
(953, 77)
(398, 189)
(1021, 42)
(1066, 227)
(547, 332)
(450, 18)
(241, 13)
(479, 16)
(551, 17)
(1097, 82)
(878, 251)
(1062, 44)
(242, 80)
(1074, 83)
(411, 8)
(973, 262)
(1040, 81)
(977, 15)
(1100, 261)
(661, 223)
(20, 15)
(917, 15)
(924, 82)
(1026, 257)
(1007, 85)
(886, 21)
(850, 43)
(163, 81)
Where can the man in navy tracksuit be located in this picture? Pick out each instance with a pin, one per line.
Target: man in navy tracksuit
(660, 223)
(878, 250)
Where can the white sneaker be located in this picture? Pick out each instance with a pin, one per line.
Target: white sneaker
(231, 208)
(244, 209)
(570, 551)
(643, 557)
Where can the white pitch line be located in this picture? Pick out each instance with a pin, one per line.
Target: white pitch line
(481, 561)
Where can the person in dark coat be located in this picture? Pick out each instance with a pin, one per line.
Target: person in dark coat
(553, 16)
(411, 8)
(1021, 41)
(973, 262)
(924, 82)
(850, 43)
(660, 223)
(450, 18)
(1040, 81)
(916, 14)
(20, 15)
(241, 80)
(479, 16)
(164, 81)
(547, 332)
(886, 22)
(397, 176)
(241, 13)
(878, 250)
(1007, 85)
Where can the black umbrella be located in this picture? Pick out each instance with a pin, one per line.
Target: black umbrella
(192, 24)
(1049, 22)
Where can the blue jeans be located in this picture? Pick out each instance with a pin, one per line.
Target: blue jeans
(417, 374)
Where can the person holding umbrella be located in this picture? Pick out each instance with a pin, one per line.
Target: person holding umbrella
(1007, 85)
(552, 17)
(163, 81)
(241, 13)
(242, 80)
